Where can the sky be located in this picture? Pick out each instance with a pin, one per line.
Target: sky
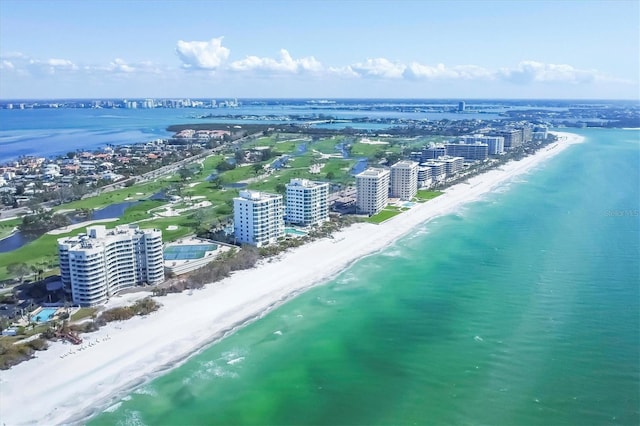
(570, 49)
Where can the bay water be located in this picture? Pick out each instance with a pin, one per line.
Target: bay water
(521, 309)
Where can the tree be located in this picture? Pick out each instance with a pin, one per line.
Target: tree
(257, 168)
(19, 269)
(331, 175)
(185, 173)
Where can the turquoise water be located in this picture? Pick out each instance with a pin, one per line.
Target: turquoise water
(522, 309)
(45, 314)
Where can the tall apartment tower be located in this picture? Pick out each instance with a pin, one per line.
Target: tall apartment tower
(258, 218)
(404, 180)
(307, 202)
(512, 138)
(372, 190)
(99, 264)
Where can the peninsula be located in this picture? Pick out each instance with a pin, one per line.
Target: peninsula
(124, 355)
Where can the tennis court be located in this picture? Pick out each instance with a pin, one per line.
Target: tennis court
(186, 252)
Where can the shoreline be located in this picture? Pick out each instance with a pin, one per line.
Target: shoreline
(131, 353)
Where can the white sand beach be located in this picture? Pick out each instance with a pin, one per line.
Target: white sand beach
(53, 388)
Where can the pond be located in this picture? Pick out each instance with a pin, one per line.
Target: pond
(18, 239)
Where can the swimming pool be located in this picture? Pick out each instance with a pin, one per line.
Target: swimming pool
(294, 232)
(194, 251)
(46, 314)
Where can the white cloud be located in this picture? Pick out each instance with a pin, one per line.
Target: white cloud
(202, 55)
(6, 65)
(416, 70)
(120, 65)
(379, 68)
(532, 71)
(286, 64)
(50, 66)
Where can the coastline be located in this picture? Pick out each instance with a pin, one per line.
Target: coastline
(74, 387)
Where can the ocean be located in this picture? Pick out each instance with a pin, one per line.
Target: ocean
(520, 309)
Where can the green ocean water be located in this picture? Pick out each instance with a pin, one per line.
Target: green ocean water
(521, 309)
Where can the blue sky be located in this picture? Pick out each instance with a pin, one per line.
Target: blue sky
(324, 49)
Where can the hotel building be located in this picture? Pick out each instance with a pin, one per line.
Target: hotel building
(372, 190)
(404, 180)
(307, 202)
(97, 265)
(258, 218)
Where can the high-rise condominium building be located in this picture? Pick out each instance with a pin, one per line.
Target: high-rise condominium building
(452, 165)
(469, 151)
(307, 202)
(495, 143)
(258, 218)
(96, 265)
(404, 180)
(372, 190)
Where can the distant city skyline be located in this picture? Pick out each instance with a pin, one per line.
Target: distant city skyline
(328, 49)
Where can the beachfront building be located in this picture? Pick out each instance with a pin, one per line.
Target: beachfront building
(452, 165)
(469, 151)
(495, 143)
(512, 138)
(404, 180)
(97, 265)
(539, 133)
(436, 170)
(424, 176)
(258, 218)
(307, 202)
(372, 190)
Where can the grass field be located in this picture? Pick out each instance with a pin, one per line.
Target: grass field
(426, 195)
(383, 216)
(7, 227)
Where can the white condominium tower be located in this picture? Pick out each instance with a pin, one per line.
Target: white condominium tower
(96, 265)
(372, 190)
(404, 180)
(307, 202)
(258, 218)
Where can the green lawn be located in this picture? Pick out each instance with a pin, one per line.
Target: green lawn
(367, 150)
(238, 174)
(326, 146)
(425, 195)
(135, 192)
(83, 313)
(382, 216)
(7, 227)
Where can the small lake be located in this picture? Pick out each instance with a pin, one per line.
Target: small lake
(17, 240)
